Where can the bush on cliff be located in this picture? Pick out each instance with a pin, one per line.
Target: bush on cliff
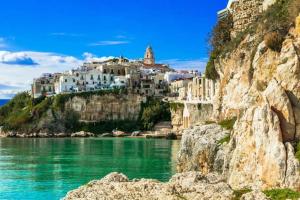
(154, 111)
(282, 194)
(228, 123)
(220, 36)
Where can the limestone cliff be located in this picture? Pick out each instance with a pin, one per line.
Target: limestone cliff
(261, 87)
(108, 107)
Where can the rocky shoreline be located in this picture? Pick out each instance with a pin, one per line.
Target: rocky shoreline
(187, 185)
(206, 170)
(84, 134)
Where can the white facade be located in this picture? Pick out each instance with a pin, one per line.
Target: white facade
(77, 80)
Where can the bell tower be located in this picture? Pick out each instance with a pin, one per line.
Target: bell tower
(149, 56)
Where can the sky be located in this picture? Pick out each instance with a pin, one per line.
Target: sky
(56, 35)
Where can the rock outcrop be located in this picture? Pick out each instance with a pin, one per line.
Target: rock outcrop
(189, 185)
(201, 149)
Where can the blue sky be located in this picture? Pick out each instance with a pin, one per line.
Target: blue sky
(39, 36)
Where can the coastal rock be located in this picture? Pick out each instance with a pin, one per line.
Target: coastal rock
(82, 134)
(254, 195)
(189, 185)
(136, 133)
(199, 147)
(119, 134)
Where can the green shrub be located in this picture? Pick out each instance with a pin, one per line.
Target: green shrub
(226, 139)
(209, 122)
(282, 194)
(176, 106)
(274, 41)
(228, 123)
(239, 193)
(210, 70)
(154, 111)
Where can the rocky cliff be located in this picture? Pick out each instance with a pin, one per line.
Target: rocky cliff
(107, 107)
(261, 87)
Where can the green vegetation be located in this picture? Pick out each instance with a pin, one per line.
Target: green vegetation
(25, 114)
(271, 26)
(228, 123)
(239, 193)
(226, 139)
(209, 122)
(176, 106)
(282, 194)
(298, 151)
(154, 111)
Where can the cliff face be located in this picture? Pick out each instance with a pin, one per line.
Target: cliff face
(261, 88)
(107, 107)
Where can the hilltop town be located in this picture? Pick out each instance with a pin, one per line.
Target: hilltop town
(144, 77)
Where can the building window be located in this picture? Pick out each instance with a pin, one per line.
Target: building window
(92, 77)
(74, 80)
(66, 80)
(111, 78)
(112, 71)
(119, 72)
(81, 77)
(98, 77)
(104, 78)
(77, 74)
(104, 71)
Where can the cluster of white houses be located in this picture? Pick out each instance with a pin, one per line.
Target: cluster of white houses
(142, 77)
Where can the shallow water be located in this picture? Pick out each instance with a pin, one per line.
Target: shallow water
(49, 168)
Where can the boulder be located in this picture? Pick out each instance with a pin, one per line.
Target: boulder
(119, 134)
(199, 147)
(136, 133)
(82, 134)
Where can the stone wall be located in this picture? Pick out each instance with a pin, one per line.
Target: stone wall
(107, 107)
(244, 12)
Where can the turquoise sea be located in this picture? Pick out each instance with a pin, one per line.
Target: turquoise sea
(49, 168)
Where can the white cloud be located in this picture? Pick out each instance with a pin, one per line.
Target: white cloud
(109, 43)
(18, 58)
(198, 64)
(89, 56)
(3, 43)
(17, 77)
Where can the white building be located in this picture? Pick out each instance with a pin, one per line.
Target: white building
(79, 80)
